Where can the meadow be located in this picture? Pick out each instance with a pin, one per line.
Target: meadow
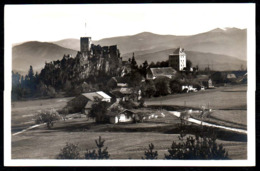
(125, 141)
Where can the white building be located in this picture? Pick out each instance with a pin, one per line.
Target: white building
(177, 60)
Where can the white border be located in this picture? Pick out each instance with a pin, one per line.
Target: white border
(250, 113)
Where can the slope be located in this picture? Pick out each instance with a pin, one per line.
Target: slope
(215, 61)
(36, 54)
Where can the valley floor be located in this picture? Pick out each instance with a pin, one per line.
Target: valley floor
(125, 141)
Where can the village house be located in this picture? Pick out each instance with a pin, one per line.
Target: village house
(205, 81)
(124, 93)
(122, 117)
(153, 73)
(84, 102)
(221, 77)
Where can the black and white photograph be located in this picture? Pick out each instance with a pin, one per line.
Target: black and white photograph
(130, 84)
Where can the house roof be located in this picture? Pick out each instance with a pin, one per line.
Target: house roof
(177, 51)
(96, 95)
(92, 96)
(165, 71)
(104, 95)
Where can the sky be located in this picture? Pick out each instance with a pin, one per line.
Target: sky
(56, 22)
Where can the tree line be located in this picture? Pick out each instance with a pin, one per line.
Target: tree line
(68, 77)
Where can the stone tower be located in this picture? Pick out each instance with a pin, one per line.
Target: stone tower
(85, 45)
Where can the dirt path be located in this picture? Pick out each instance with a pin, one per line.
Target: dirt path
(178, 114)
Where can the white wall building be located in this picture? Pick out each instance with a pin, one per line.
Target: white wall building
(177, 60)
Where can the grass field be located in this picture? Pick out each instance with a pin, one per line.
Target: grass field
(124, 141)
(46, 144)
(219, 98)
(23, 112)
(229, 104)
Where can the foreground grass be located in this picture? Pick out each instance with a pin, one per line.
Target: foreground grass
(47, 144)
(121, 141)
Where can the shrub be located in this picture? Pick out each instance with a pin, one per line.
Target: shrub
(51, 92)
(149, 88)
(162, 85)
(47, 117)
(99, 112)
(196, 148)
(100, 153)
(70, 151)
(150, 154)
(175, 86)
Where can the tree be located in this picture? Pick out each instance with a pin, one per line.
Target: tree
(188, 64)
(51, 92)
(162, 86)
(133, 62)
(67, 86)
(70, 151)
(47, 117)
(152, 64)
(143, 69)
(150, 154)
(31, 73)
(99, 112)
(134, 79)
(149, 88)
(175, 86)
(196, 148)
(100, 153)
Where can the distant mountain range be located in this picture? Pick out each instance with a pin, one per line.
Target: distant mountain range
(36, 54)
(214, 61)
(229, 41)
(224, 48)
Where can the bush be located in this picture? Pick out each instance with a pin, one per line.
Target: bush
(175, 86)
(99, 112)
(148, 88)
(100, 153)
(150, 154)
(162, 85)
(47, 117)
(196, 148)
(70, 151)
(51, 92)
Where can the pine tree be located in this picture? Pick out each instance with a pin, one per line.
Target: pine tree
(133, 62)
(100, 153)
(150, 154)
(31, 73)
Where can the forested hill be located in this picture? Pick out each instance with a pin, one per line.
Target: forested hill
(36, 54)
